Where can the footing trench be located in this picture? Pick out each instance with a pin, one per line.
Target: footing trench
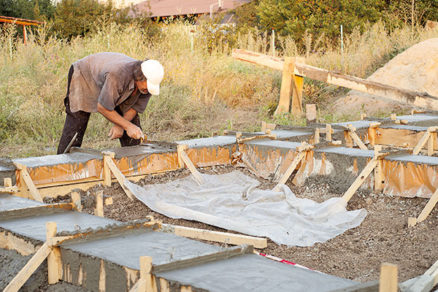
(391, 156)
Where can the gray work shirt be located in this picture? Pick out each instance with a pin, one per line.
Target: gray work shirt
(108, 79)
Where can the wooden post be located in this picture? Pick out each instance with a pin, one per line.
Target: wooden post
(297, 95)
(388, 278)
(54, 265)
(106, 170)
(99, 204)
(378, 171)
(76, 200)
(146, 273)
(328, 132)
(372, 133)
(286, 86)
(316, 139)
(311, 113)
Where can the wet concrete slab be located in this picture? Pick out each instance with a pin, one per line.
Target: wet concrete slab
(355, 152)
(162, 247)
(405, 127)
(418, 118)
(417, 159)
(209, 142)
(9, 202)
(49, 160)
(254, 273)
(356, 124)
(34, 227)
(287, 134)
(142, 150)
(274, 144)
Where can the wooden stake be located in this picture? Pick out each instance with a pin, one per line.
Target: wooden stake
(359, 180)
(311, 113)
(76, 200)
(431, 143)
(146, 273)
(388, 278)
(426, 211)
(287, 82)
(372, 133)
(393, 117)
(378, 176)
(328, 132)
(54, 263)
(99, 204)
(27, 271)
(25, 180)
(7, 186)
(297, 96)
(108, 160)
(363, 116)
(7, 182)
(106, 170)
(316, 139)
(184, 159)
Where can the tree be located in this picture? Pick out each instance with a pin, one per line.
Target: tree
(29, 9)
(294, 17)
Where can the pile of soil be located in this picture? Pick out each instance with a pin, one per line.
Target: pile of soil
(357, 254)
(415, 69)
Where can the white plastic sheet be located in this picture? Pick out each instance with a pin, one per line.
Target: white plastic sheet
(232, 201)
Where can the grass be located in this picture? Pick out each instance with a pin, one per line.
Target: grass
(204, 91)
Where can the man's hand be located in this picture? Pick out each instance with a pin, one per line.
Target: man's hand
(134, 132)
(115, 132)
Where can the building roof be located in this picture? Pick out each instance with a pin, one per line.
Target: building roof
(185, 7)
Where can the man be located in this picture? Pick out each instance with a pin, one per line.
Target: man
(115, 85)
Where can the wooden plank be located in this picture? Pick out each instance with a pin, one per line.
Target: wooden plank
(117, 173)
(297, 95)
(107, 170)
(30, 267)
(102, 277)
(359, 180)
(220, 255)
(287, 84)
(419, 99)
(388, 278)
(290, 170)
(185, 158)
(28, 181)
(426, 210)
(146, 274)
(378, 177)
(421, 143)
(54, 263)
(225, 237)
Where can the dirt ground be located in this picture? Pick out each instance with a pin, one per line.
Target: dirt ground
(357, 254)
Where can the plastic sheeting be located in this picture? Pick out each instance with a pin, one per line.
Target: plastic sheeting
(232, 201)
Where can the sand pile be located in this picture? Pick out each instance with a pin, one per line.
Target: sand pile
(414, 69)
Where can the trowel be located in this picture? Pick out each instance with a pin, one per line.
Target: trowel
(157, 144)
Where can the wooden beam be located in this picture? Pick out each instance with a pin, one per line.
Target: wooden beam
(426, 210)
(27, 181)
(388, 278)
(287, 84)
(355, 137)
(99, 204)
(182, 156)
(421, 143)
(359, 180)
(297, 159)
(225, 237)
(108, 160)
(30, 267)
(419, 99)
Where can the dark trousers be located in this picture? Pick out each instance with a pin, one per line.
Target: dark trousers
(77, 123)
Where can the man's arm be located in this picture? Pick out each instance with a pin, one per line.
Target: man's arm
(124, 122)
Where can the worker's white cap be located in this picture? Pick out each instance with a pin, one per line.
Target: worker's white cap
(154, 73)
